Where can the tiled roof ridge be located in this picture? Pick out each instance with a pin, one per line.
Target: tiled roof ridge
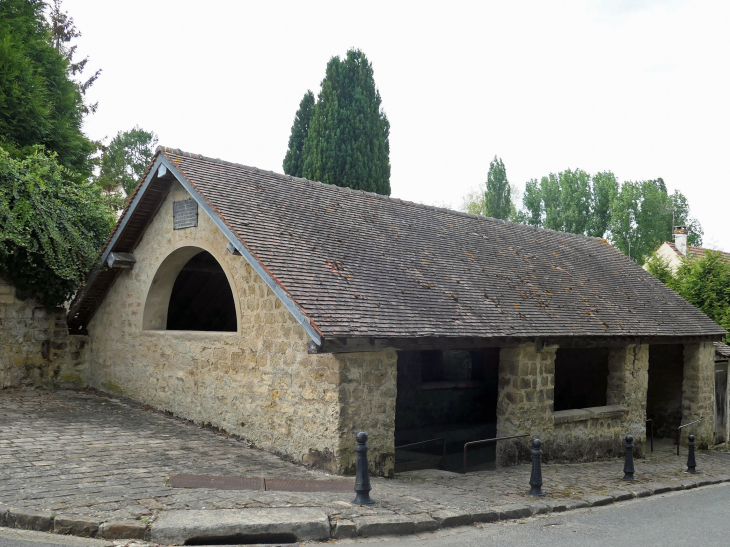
(692, 248)
(344, 189)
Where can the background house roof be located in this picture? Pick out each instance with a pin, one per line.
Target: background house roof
(364, 265)
(722, 349)
(695, 252)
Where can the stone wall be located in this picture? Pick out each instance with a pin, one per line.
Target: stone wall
(525, 405)
(367, 396)
(698, 392)
(588, 434)
(35, 346)
(259, 382)
(628, 381)
(525, 400)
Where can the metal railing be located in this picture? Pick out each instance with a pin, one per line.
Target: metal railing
(485, 441)
(443, 442)
(651, 433)
(679, 429)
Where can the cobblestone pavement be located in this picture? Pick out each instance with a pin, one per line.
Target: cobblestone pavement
(82, 453)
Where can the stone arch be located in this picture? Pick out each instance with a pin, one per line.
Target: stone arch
(191, 290)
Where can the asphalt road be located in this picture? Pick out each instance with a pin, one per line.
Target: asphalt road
(697, 517)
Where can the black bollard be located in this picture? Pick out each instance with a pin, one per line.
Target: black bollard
(362, 475)
(536, 475)
(629, 462)
(691, 464)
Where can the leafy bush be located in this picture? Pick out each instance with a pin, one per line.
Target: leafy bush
(52, 226)
(704, 282)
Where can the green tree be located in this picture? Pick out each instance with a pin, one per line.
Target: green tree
(565, 200)
(551, 202)
(40, 102)
(642, 219)
(604, 189)
(497, 198)
(636, 216)
(704, 282)
(347, 143)
(532, 213)
(575, 199)
(125, 159)
(293, 160)
(51, 226)
(679, 206)
(624, 214)
(473, 202)
(659, 268)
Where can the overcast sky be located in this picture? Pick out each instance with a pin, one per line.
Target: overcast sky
(638, 87)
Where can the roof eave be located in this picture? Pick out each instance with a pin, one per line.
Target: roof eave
(139, 194)
(163, 161)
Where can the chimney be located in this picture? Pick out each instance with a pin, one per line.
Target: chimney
(680, 239)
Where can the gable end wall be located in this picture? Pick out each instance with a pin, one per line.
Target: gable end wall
(258, 383)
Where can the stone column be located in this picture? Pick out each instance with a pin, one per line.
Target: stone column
(698, 392)
(525, 400)
(367, 396)
(628, 382)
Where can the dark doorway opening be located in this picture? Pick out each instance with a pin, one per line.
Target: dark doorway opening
(202, 298)
(720, 401)
(664, 395)
(449, 395)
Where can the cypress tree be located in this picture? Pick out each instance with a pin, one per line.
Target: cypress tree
(293, 161)
(347, 142)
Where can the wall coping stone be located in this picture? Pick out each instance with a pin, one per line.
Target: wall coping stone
(190, 334)
(591, 413)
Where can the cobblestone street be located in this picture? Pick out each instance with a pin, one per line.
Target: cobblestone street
(82, 453)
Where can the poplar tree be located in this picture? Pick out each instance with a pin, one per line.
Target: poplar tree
(497, 198)
(347, 139)
(293, 161)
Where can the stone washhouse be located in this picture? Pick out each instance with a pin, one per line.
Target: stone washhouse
(293, 314)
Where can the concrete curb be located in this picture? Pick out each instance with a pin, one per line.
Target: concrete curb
(312, 523)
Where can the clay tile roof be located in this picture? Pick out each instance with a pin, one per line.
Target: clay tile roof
(364, 265)
(696, 252)
(722, 349)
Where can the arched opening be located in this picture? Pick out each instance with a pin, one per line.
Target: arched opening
(201, 297)
(190, 292)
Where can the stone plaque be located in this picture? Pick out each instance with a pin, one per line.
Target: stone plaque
(184, 214)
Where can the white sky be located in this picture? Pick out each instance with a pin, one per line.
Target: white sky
(638, 87)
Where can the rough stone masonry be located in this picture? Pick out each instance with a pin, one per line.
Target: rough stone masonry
(260, 383)
(35, 346)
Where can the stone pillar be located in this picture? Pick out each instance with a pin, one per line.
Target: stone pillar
(628, 382)
(698, 392)
(367, 397)
(525, 400)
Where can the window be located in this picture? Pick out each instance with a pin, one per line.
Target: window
(581, 378)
